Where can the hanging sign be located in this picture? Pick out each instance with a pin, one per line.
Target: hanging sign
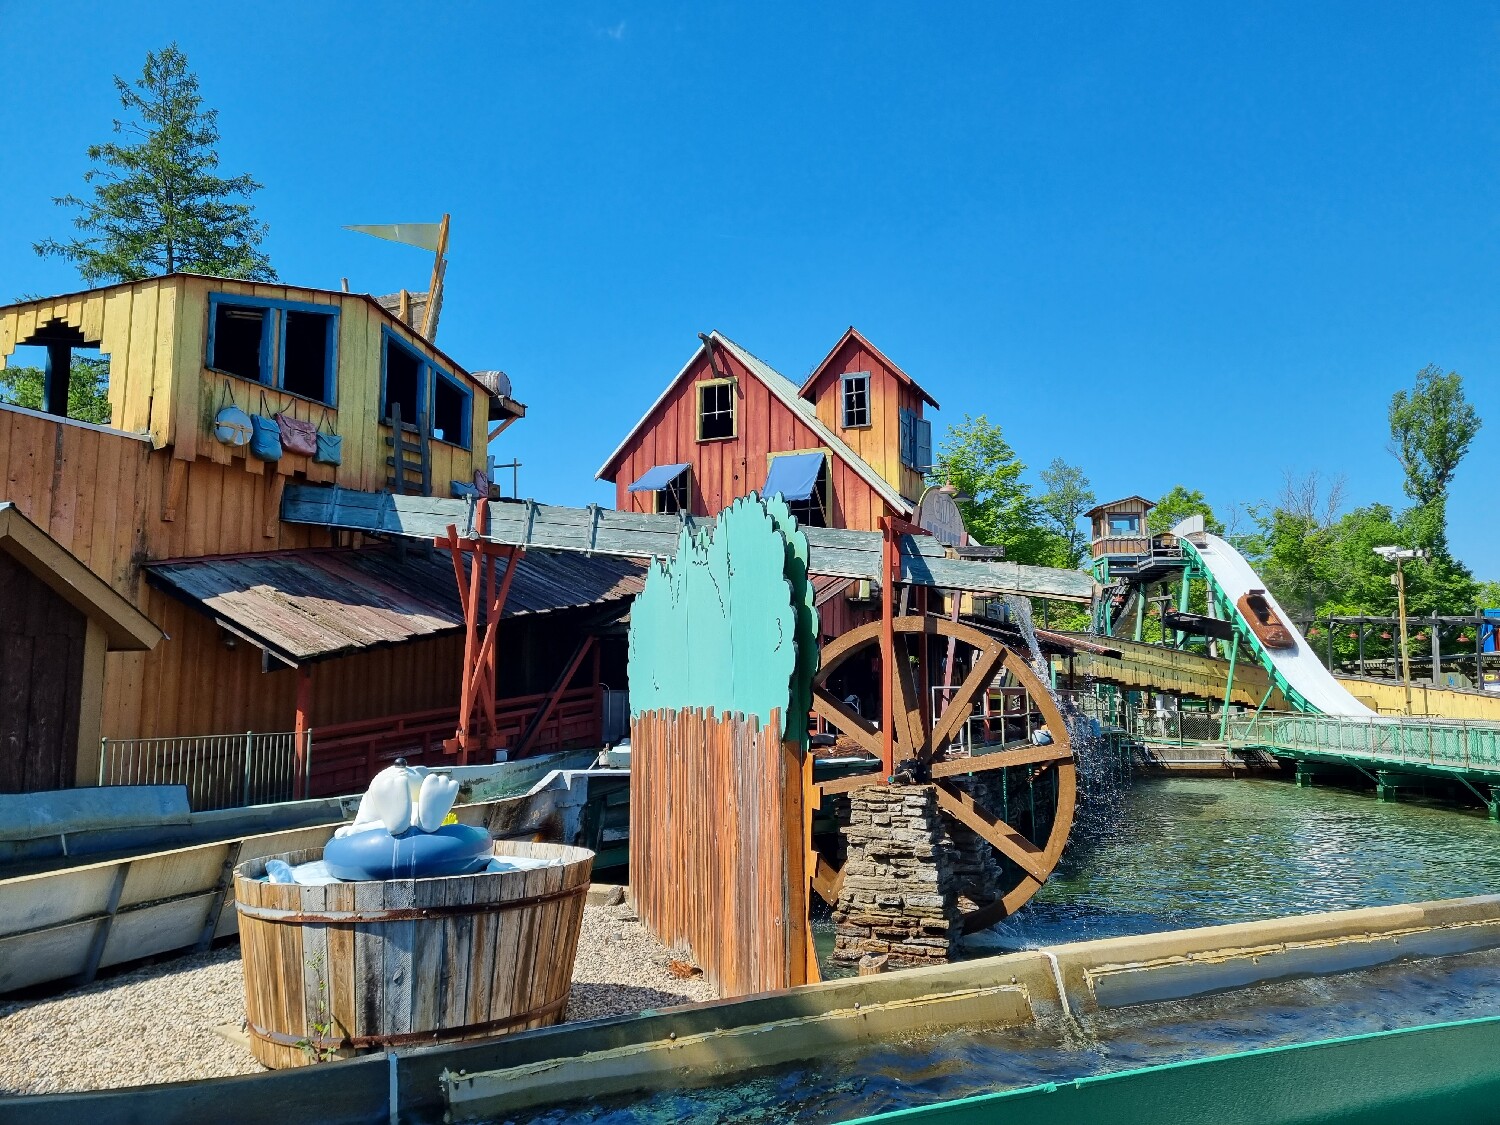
(939, 515)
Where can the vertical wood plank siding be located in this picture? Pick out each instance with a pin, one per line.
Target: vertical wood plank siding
(116, 501)
(723, 471)
(713, 804)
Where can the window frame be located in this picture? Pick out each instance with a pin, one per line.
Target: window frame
(439, 375)
(824, 489)
(734, 408)
(383, 415)
(273, 358)
(1133, 520)
(845, 382)
(686, 477)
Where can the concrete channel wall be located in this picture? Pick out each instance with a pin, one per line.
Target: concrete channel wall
(651, 1050)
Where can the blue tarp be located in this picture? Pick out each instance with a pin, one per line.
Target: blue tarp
(794, 476)
(657, 477)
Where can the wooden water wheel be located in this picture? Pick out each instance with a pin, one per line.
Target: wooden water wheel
(1033, 787)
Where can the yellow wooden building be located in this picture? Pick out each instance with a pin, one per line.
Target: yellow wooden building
(160, 484)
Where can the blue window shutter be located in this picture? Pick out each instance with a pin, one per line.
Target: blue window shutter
(908, 438)
(924, 445)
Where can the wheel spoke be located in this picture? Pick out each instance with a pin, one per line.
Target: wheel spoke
(1008, 841)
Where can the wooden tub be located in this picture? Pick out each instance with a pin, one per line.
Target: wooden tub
(348, 968)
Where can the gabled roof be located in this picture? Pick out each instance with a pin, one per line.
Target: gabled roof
(65, 574)
(858, 337)
(1111, 503)
(786, 391)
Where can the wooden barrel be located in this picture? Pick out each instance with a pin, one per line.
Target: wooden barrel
(347, 968)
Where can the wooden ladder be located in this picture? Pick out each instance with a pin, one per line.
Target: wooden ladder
(408, 458)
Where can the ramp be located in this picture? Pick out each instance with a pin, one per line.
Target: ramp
(1307, 685)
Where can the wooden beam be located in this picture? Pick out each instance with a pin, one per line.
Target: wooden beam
(956, 713)
(827, 881)
(1012, 754)
(856, 726)
(545, 711)
(435, 285)
(1005, 839)
(849, 784)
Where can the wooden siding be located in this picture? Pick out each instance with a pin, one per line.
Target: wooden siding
(723, 471)
(42, 642)
(718, 846)
(879, 443)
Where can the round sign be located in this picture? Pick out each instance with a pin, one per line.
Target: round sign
(938, 514)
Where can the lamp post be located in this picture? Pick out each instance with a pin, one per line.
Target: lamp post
(1399, 555)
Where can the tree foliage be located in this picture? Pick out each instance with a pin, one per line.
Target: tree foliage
(1179, 503)
(999, 509)
(1432, 427)
(88, 389)
(158, 204)
(1067, 496)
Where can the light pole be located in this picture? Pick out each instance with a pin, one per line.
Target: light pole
(1399, 555)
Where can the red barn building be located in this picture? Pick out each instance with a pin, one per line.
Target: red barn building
(848, 446)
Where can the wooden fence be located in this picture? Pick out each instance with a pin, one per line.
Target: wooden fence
(718, 846)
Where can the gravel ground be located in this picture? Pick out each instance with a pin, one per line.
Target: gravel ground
(155, 1024)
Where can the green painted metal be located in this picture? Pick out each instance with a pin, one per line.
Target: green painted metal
(727, 624)
(1439, 1073)
(1234, 655)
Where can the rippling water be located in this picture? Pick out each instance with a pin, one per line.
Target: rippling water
(1202, 852)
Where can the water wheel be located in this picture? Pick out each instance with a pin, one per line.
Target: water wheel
(1016, 795)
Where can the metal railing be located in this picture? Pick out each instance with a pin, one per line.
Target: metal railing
(1460, 744)
(220, 770)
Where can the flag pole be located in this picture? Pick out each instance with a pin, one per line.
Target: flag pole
(435, 286)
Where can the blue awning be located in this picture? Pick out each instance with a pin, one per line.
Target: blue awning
(794, 476)
(657, 477)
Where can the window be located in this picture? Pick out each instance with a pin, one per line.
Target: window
(813, 512)
(283, 344)
(856, 400)
(716, 410)
(674, 497)
(916, 441)
(1124, 525)
(402, 374)
(452, 406)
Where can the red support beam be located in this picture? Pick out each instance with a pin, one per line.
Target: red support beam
(303, 722)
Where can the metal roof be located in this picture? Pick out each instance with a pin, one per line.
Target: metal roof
(309, 605)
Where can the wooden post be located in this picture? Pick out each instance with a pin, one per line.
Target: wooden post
(889, 569)
(435, 286)
(303, 724)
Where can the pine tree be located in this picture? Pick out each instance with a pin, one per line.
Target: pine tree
(158, 204)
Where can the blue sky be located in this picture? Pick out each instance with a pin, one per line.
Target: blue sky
(1166, 242)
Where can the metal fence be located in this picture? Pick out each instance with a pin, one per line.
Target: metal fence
(220, 770)
(1450, 744)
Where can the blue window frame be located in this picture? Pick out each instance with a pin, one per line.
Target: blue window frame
(291, 346)
(424, 391)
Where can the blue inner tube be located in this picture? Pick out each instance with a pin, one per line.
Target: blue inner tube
(454, 849)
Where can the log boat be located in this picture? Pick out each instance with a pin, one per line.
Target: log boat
(1263, 621)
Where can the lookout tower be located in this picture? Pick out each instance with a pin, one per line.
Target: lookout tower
(1119, 528)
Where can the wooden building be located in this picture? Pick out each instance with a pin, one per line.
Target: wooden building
(1119, 528)
(161, 484)
(851, 444)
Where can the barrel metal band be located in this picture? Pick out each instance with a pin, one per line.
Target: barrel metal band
(400, 1039)
(405, 913)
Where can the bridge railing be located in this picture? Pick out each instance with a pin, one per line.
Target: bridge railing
(1380, 740)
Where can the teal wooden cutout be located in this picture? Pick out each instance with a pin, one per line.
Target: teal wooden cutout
(728, 624)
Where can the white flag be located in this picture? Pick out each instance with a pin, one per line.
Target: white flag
(424, 235)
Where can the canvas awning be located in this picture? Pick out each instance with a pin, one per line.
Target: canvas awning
(657, 477)
(794, 476)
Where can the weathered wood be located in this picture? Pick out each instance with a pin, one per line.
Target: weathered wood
(336, 971)
(1005, 839)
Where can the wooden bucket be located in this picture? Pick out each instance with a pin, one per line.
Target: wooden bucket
(348, 968)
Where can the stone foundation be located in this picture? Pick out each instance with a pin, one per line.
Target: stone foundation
(902, 877)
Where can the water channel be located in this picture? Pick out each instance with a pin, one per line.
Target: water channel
(1182, 853)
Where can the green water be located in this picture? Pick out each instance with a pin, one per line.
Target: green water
(1203, 852)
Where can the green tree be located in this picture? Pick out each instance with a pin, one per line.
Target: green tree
(88, 389)
(158, 204)
(1432, 428)
(1000, 511)
(1068, 495)
(1176, 506)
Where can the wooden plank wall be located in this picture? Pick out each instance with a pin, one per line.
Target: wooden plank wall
(879, 444)
(41, 682)
(723, 471)
(717, 846)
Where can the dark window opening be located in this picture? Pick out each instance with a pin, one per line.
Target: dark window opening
(813, 511)
(58, 377)
(715, 411)
(856, 401)
(450, 412)
(403, 382)
(1124, 525)
(674, 498)
(238, 335)
(304, 364)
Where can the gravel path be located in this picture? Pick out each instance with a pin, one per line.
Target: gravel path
(155, 1024)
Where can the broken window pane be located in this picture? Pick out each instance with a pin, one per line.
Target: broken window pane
(304, 365)
(238, 336)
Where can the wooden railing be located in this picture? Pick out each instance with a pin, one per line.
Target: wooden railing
(345, 756)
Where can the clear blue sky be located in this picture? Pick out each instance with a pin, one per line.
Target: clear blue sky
(1166, 243)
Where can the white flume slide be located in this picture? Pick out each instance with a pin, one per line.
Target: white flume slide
(1299, 664)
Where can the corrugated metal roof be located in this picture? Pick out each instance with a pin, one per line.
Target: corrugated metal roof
(314, 604)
